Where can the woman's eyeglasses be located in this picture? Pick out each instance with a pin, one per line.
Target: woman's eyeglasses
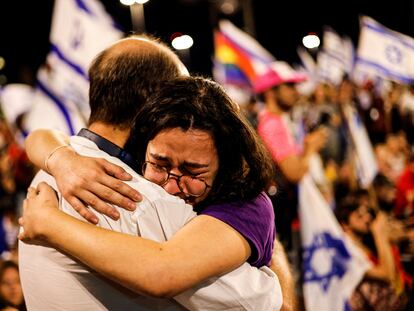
(188, 184)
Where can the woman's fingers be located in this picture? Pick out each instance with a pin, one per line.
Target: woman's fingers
(116, 192)
(82, 209)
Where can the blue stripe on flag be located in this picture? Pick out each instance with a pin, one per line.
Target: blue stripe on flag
(387, 32)
(24, 132)
(81, 5)
(55, 49)
(59, 104)
(384, 70)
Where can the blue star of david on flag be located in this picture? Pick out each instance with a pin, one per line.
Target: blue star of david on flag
(393, 54)
(333, 250)
(78, 35)
(384, 53)
(332, 266)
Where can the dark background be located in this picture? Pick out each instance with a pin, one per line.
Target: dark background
(278, 25)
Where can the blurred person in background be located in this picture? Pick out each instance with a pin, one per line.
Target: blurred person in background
(402, 228)
(386, 284)
(292, 162)
(373, 113)
(391, 156)
(323, 110)
(16, 171)
(404, 205)
(11, 294)
(407, 107)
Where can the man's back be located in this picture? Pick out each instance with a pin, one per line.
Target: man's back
(53, 280)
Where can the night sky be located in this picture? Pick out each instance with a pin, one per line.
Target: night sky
(279, 26)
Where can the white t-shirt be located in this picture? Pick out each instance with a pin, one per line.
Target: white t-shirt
(52, 280)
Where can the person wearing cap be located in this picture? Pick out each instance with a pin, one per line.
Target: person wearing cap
(277, 88)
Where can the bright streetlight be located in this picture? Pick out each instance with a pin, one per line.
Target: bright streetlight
(131, 2)
(137, 13)
(127, 2)
(182, 42)
(311, 41)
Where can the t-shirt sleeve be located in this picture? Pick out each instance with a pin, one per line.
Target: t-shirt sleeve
(277, 138)
(254, 220)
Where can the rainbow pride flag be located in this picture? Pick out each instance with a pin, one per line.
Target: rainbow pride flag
(241, 61)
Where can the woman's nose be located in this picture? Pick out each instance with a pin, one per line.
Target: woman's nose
(171, 186)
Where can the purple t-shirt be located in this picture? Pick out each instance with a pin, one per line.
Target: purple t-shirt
(254, 220)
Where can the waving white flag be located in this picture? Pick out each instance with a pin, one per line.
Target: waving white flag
(384, 52)
(332, 265)
(80, 30)
(366, 163)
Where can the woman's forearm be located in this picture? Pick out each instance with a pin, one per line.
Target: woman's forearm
(147, 267)
(385, 256)
(281, 267)
(134, 262)
(40, 143)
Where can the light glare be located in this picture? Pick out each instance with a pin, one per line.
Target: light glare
(311, 41)
(127, 2)
(182, 42)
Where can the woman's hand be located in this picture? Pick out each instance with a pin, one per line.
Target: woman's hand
(89, 181)
(38, 210)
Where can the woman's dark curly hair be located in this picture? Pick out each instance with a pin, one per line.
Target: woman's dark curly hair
(245, 167)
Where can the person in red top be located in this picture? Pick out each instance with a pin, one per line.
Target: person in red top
(384, 285)
(405, 190)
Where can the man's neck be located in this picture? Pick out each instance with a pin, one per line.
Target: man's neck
(272, 106)
(112, 133)
(275, 109)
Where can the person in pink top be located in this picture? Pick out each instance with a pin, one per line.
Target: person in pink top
(292, 161)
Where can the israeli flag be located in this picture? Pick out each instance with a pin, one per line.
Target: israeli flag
(384, 52)
(366, 163)
(15, 100)
(330, 68)
(349, 55)
(333, 45)
(332, 265)
(339, 48)
(80, 30)
(307, 61)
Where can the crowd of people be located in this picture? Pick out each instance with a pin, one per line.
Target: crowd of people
(186, 135)
(378, 219)
(16, 173)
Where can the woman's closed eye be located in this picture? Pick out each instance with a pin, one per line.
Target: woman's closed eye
(195, 173)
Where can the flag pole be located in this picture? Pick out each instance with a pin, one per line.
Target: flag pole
(137, 17)
(248, 17)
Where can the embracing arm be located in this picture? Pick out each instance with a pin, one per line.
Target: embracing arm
(40, 143)
(205, 247)
(281, 267)
(81, 180)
